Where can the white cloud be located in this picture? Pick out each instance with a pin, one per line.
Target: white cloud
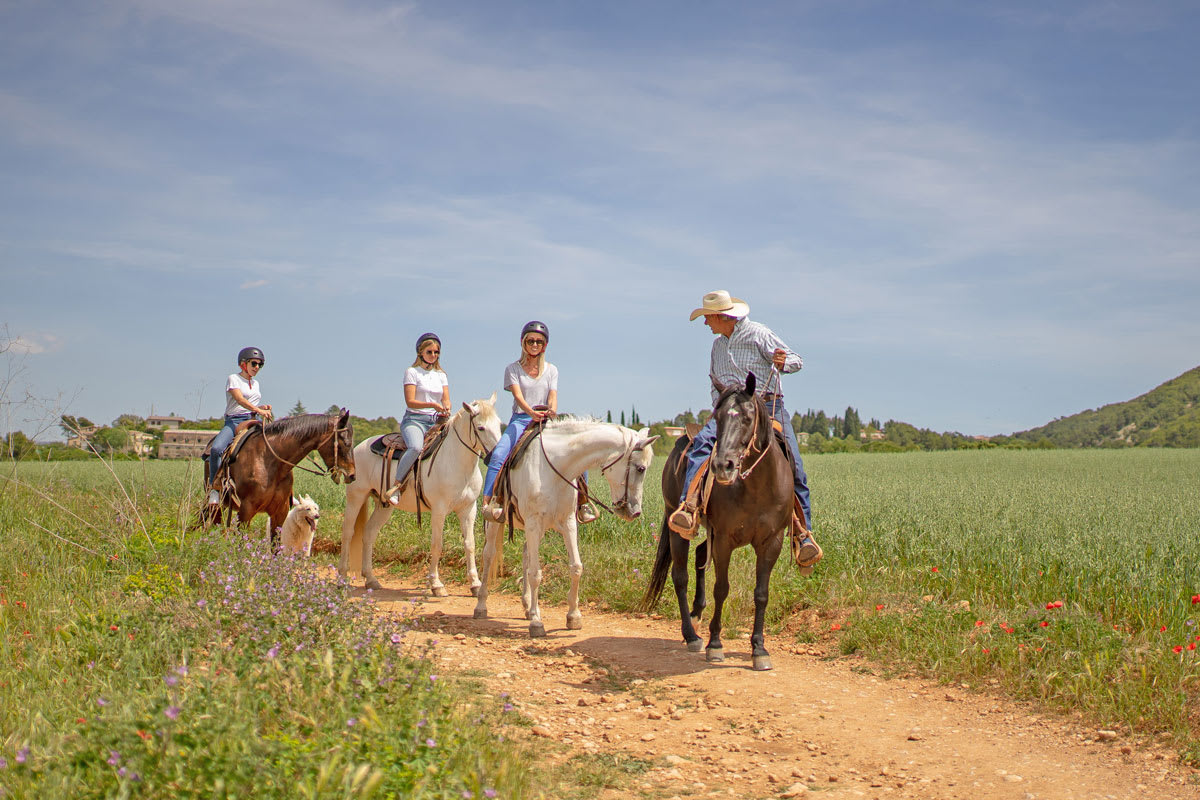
(253, 284)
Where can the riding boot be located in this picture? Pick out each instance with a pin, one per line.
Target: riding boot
(805, 550)
(392, 497)
(685, 520)
(585, 513)
(492, 510)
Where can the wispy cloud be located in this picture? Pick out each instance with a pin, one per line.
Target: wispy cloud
(253, 284)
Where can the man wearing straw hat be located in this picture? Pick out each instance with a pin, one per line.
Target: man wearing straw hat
(741, 347)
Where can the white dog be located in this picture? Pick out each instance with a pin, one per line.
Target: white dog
(300, 525)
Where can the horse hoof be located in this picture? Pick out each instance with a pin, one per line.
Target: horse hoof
(574, 623)
(714, 654)
(480, 613)
(374, 584)
(440, 591)
(762, 663)
(536, 630)
(695, 647)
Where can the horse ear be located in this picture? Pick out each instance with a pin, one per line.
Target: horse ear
(751, 382)
(469, 410)
(492, 399)
(643, 445)
(345, 416)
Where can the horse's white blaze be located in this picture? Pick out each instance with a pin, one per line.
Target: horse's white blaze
(451, 484)
(547, 502)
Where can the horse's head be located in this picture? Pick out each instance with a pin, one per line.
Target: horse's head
(484, 425)
(337, 450)
(627, 475)
(742, 424)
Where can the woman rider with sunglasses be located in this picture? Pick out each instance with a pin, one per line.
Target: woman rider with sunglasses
(243, 399)
(426, 396)
(533, 382)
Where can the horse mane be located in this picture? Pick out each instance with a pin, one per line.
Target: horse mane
(299, 426)
(569, 424)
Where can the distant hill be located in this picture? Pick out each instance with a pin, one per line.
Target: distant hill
(1167, 416)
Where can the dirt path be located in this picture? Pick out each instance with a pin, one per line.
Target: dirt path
(829, 728)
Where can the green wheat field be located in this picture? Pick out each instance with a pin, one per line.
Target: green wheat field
(141, 659)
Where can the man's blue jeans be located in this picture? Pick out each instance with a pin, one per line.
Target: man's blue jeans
(702, 446)
(221, 441)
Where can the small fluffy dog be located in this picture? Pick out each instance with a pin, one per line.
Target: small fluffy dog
(300, 525)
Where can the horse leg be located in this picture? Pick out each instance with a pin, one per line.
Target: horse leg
(371, 530)
(492, 532)
(698, 600)
(765, 556)
(437, 523)
(466, 523)
(533, 578)
(575, 564)
(679, 577)
(715, 651)
(352, 527)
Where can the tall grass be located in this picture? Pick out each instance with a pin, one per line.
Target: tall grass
(140, 660)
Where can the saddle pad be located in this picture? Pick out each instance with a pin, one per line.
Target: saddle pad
(388, 441)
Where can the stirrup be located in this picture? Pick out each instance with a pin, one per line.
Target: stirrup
(492, 511)
(392, 498)
(684, 521)
(586, 513)
(805, 551)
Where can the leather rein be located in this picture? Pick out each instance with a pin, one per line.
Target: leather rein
(335, 472)
(581, 487)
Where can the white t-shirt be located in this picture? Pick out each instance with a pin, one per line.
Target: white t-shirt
(250, 390)
(429, 383)
(536, 391)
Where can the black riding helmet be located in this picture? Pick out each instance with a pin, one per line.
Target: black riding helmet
(534, 326)
(251, 354)
(427, 337)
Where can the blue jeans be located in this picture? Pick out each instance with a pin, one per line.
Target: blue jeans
(221, 441)
(702, 447)
(413, 428)
(516, 426)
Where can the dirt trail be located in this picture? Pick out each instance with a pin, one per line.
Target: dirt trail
(828, 728)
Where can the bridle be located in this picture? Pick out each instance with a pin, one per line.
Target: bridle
(482, 451)
(626, 453)
(336, 473)
(743, 474)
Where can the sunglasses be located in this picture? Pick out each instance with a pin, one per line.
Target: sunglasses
(432, 352)
(255, 364)
(535, 342)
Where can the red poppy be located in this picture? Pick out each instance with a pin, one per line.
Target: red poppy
(1192, 646)
(837, 626)
(1044, 624)
(978, 623)
(143, 734)
(879, 607)
(80, 720)
(1163, 628)
(1195, 599)
(986, 650)
(113, 628)
(1039, 649)
(1178, 648)
(1007, 630)
(933, 569)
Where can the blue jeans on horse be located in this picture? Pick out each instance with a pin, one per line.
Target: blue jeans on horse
(516, 426)
(413, 428)
(702, 447)
(221, 441)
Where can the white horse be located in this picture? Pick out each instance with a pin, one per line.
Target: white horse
(450, 482)
(541, 484)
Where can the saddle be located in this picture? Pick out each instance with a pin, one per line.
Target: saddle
(223, 481)
(391, 446)
(502, 489)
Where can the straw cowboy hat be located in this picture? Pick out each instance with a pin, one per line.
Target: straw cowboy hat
(719, 302)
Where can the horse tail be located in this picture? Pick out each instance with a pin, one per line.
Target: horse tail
(662, 567)
(496, 564)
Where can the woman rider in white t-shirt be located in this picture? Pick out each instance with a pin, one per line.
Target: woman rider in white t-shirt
(243, 399)
(426, 395)
(533, 382)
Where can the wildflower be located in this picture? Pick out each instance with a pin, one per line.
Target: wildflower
(114, 758)
(22, 755)
(879, 607)
(1191, 646)
(172, 712)
(430, 743)
(433, 678)
(350, 723)
(837, 626)
(3, 762)
(1178, 648)
(489, 792)
(170, 680)
(201, 603)
(113, 628)
(978, 623)
(986, 651)
(273, 652)
(467, 794)
(181, 670)
(396, 638)
(508, 706)
(143, 735)
(80, 720)
(121, 772)
(1007, 629)
(1162, 629)
(1044, 624)
(1196, 599)
(933, 569)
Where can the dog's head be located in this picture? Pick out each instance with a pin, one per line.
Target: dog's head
(306, 512)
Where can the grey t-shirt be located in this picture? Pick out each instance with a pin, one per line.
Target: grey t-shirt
(535, 391)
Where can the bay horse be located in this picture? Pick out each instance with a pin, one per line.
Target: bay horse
(543, 483)
(450, 482)
(750, 504)
(262, 471)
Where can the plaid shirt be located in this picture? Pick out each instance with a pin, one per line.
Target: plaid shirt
(749, 348)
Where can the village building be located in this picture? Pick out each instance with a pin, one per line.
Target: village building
(163, 423)
(180, 443)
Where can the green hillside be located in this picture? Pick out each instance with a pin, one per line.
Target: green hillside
(1167, 416)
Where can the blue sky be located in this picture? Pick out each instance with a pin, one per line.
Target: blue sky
(966, 216)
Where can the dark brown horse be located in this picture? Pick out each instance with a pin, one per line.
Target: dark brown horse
(750, 503)
(262, 471)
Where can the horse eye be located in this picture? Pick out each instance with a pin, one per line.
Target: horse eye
(641, 469)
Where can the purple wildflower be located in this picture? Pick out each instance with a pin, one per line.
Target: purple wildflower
(430, 743)
(350, 723)
(172, 712)
(201, 603)
(489, 792)
(121, 772)
(467, 794)
(274, 651)
(114, 758)
(181, 670)
(100, 701)
(433, 678)
(22, 755)
(508, 706)
(396, 638)
(3, 762)
(170, 680)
